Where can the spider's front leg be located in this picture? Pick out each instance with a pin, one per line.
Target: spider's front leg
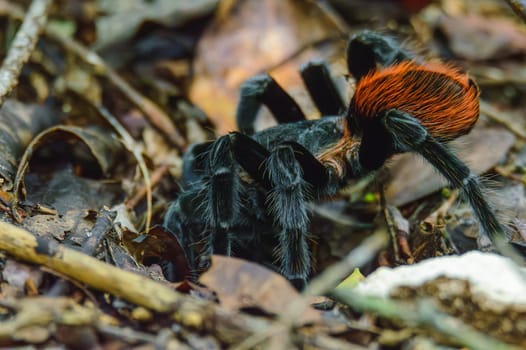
(223, 192)
(287, 205)
(292, 176)
(210, 205)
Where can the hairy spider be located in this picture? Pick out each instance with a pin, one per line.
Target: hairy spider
(245, 186)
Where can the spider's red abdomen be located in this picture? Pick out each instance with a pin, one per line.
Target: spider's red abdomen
(444, 99)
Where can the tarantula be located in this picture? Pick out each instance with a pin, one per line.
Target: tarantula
(245, 186)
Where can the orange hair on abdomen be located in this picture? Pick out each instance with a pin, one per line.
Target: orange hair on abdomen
(440, 96)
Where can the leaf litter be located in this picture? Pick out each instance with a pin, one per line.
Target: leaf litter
(62, 167)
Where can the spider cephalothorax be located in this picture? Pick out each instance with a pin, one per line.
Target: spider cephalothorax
(249, 188)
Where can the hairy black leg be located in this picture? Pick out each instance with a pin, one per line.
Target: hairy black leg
(410, 136)
(252, 157)
(366, 49)
(194, 163)
(222, 192)
(317, 78)
(293, 176)
(174, 222)
(287, 204)
(183, 219)
(262, 89)
(282, 174)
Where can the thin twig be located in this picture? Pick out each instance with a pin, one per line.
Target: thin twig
(133, 147)
(422, 313)
(42, 311)
(156, 176)
(22, 46)
(157, 117)
(326, 10)
(100, 229)
(320, 285)
(443, 209)
(333, 275)
(519, 6)
(494, 115)
(126, 334)
(391, 227)
(228, 326)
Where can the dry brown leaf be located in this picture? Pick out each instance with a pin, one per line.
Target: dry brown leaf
(242, 284)
(249, 38)
(480, 38)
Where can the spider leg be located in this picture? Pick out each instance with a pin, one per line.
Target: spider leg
(210, 204)
(321, 87)
(367, 49)
(194, 163)
(282, 175)
(292, 175)
(253, 157)
(287, 204)
(262, 89)
(409, 135)
(178, 221)
(223, 191)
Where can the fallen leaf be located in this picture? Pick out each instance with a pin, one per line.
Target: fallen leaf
(160, 246)
(17, 274)
(479, 38)
(240, 284)
(101, 145)
(124, 17)
(244, 40)
(71, 197)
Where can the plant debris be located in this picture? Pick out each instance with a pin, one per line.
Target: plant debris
(99, 100)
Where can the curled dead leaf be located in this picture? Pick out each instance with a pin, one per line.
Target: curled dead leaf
(18, 125)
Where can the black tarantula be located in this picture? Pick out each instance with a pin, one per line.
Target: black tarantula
(246, 185)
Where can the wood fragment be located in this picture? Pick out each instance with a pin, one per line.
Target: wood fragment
(519, 6)
(22, 46)
(97, 274)
(228, 326)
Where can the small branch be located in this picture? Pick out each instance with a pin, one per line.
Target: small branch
(495, 115)
(97, 274)
(423, 313)
(156, 116)
(156, 176)
(326, 10)
(519, 6)
(443, 209)
(391, 226)
(320, 285)
(333, 275)
(100, 229)
(228, 326)
(42, 311)
(136, 150)
(22, 46)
